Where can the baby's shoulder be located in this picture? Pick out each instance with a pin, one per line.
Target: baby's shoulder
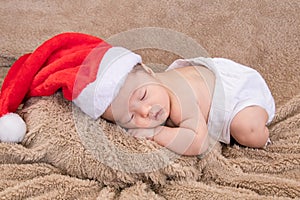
(180, 113)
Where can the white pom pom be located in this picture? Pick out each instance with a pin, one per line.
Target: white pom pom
(12, 128)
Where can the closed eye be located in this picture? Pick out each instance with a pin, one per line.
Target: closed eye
(131, 118)
(144, 95)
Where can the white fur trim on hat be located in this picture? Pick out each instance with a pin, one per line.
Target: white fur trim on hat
(114, 67)
(12, 128)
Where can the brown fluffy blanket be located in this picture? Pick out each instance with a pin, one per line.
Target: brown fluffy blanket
(58, 158)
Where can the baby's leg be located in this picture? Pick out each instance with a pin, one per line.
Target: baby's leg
(248, 127)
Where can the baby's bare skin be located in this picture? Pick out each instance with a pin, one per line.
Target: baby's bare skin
(180, 97)
(194, 91)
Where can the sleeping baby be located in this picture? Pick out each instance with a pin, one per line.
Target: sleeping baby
(185, 108)
(194, 101)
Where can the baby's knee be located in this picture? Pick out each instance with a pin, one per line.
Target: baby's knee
(262, 137)
(248, 127)
(257, 127)
(253, 134)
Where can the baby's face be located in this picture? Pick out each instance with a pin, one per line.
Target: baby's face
(142, 102)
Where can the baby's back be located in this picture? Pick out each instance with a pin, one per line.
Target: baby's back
(200, 81)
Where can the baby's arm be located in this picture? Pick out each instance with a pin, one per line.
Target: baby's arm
(184, 141)
(181, 140)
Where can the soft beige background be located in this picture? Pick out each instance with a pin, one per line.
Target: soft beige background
(263, 34)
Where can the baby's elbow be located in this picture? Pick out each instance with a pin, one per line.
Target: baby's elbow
(195, 151)
(198, 147)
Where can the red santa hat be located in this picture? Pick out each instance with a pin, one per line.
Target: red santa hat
(88, 70)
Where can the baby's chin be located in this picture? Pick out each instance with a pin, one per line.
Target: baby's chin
(154, 124)
(161, 122)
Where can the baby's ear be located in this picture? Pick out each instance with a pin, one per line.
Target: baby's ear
(148, 69)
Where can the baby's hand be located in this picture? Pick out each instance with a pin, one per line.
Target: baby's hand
(147, 133)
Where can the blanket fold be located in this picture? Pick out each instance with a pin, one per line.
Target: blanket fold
(53, 150)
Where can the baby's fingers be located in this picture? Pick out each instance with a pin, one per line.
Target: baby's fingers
(131, 132)
(134, 133)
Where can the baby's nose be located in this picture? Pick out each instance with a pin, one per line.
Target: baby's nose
(145, 110)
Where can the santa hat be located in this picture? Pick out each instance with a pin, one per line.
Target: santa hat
(88, 70)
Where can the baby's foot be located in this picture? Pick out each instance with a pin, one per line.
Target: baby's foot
(268, 143)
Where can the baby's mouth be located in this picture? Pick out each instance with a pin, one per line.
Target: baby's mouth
(157, 114)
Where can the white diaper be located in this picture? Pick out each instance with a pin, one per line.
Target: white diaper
(236, 87)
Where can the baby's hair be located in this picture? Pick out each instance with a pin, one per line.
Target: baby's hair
(140, 67)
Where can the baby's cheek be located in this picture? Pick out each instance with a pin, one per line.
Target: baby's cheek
(142, 123)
